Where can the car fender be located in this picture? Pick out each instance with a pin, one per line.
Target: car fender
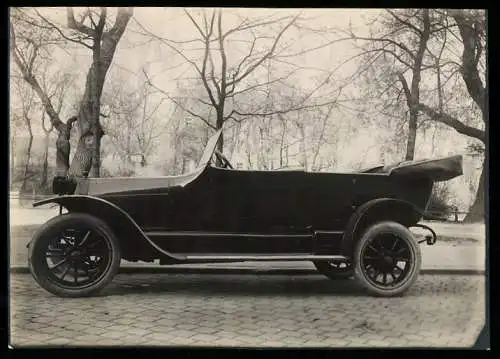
(376, 210)
(111, 214)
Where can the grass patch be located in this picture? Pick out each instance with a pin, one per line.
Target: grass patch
(448, 239)
(23, 231)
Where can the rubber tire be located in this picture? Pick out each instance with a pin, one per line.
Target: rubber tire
(324, 268)
(47, 231)
(403, 233)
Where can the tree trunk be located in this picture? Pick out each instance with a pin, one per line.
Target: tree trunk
(282, 141)
(63, 147)
(412, 136)
(45, 164)
(476, 211)
(12, 160)
(304, 148)
(96, 155)
(82, 160)
(26, 166)
(96, 150)
(413, 93)
(87, 156)
(88, 120)
(220, 143)
(183, 165)
(287, 156)
(86, 160)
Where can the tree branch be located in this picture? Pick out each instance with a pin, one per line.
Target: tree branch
(453, 122)
(245, 58)
(61, 33)
(406, 88)
(246, 25)
(77, 25)
(212, 74)
(390, 41)
(102, 20)
(406, 23)
(175, 49)
(123, 15)
(177, 103)
(469, 70)
(396, 56)
(265, 57)
(285, 111)
(206, 55)
(203, 35)
(31, 80)
(223, 56)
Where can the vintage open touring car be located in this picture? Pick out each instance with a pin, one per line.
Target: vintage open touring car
(348, 224)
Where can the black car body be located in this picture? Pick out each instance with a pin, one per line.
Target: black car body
(219, 214)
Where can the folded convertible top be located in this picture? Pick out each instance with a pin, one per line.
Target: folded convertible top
(440, 169)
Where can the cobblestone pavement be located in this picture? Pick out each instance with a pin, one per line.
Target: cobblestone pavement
(250, 310)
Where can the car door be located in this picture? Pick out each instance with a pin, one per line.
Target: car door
(265, 209)
(329, 199)
(260, 201)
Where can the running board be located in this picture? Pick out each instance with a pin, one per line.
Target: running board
(194, 234)
(262, 258)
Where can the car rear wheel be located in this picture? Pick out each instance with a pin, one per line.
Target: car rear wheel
(387, 259)
(334, 269)
(74, 255)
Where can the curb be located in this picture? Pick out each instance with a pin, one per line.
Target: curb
(248, 271)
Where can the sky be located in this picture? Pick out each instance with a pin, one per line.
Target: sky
(173, 24)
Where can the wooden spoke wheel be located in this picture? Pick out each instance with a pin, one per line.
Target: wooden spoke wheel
(387, 259)
(74, 255)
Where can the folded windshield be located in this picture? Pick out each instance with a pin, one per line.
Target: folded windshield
(209, 149)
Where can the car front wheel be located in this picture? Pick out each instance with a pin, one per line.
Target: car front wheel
(74, 255)
(387, 259)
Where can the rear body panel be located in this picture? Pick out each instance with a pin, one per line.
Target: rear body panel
(229, 211)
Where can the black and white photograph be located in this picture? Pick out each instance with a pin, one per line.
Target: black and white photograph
(248, 177)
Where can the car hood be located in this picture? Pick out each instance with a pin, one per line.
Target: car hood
(101, 186)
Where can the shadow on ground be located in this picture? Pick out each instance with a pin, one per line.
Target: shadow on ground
(243, 285)
(246, 285)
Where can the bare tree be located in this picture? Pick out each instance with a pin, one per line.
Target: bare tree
(45, 165)
(30, 33)
(319, 135)
(133, 121)
(400, 45)
(56, 87)
(227, 77)
(24, 112)
(472, 69)
(426, 42)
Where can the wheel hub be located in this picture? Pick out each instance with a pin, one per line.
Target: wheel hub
(387, 261)
(74, 254)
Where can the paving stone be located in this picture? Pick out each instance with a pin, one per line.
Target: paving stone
(255, 311)
(137, 331)
(143, 325)
(113, 335)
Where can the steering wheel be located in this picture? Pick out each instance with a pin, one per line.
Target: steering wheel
(224, 161)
